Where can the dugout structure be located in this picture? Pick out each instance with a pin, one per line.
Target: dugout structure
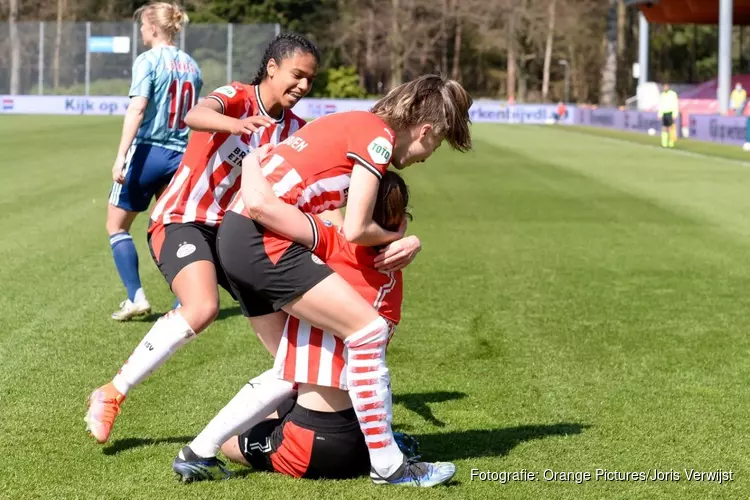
(725, 13)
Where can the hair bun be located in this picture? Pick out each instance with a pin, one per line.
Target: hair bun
(179, 17)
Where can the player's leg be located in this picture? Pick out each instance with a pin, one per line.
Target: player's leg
(365, 334)
(185, 255)
(257, 398)
(125, 202)
(263, 393)
(254, 401)
(186, 258)
(260, 397)
(232, 449)
(251, 448)
(308, 289)
(672, 134)
(665, 130)
(334, 306)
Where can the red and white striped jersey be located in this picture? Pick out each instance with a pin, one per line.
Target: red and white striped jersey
(209, 175)
(310, 355)
(312, 168)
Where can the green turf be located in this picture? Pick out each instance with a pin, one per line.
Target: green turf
(580, 303)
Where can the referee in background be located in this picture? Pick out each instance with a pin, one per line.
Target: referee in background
(669, 109)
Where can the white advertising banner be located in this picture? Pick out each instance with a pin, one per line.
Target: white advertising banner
(63, 105)
(481, 111)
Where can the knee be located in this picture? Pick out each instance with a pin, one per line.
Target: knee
(231, 450)
(227, 447)
(114, 228)
(209, 311)
(200, 315)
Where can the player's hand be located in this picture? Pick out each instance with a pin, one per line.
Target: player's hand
(257, 156)
(398, 254)
(251, 124)
(263, 152)
(118, 170)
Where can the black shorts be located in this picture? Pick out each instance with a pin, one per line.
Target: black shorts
(310, 444)
(174, 246)
(265, 280)
(667, 120)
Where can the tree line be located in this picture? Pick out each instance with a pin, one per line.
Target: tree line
(523, 50)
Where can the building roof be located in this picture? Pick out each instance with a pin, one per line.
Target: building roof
(690, 11)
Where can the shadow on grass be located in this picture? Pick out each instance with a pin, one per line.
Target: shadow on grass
(476, 443)
(225, 313)
(418, 403)
(120, 445)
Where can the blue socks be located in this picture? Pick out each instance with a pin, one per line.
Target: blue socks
(126, 260)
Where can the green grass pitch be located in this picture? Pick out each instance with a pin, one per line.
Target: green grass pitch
(580, 303)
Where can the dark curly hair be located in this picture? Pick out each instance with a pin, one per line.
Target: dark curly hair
(392, 203)
(283, 46)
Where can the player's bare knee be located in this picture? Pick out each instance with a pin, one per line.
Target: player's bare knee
(228, 447)
(231, 450)
(200, 314)
(114, 227)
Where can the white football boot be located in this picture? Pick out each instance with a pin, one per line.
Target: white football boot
(129, 310)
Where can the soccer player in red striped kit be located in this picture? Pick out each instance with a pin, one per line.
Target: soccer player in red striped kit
(317, 435)
(336, 160)
(230, 122)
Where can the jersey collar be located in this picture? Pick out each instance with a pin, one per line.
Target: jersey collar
(262, 108)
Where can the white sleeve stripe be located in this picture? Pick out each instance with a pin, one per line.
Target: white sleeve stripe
(314, 230)
(223, 109)
(365, 164)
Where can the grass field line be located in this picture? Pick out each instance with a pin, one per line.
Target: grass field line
(693, 154)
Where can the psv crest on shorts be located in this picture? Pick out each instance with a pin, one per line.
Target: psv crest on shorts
(185, 249)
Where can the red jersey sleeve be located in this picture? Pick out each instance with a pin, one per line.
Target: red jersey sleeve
(233, 99)
(327, 240)
(371, 144)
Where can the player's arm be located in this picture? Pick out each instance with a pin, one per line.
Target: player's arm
(219, 112)
(208, 116)
(359, 228)
(140, 91)
(130, 126)
(264, 207)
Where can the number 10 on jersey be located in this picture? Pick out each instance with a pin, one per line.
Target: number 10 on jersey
(179, 107)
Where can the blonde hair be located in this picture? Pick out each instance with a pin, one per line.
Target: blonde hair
(169, 18)
(432, 99)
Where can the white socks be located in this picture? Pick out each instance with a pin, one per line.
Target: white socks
(255, 401)
(167, 335)
(140, 296)
(370, 391)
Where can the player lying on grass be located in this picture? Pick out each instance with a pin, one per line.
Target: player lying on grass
(166, 84)
(334, 161)
(231, 121)
(317, 436)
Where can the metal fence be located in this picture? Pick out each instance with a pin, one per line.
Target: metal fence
(69, 61)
